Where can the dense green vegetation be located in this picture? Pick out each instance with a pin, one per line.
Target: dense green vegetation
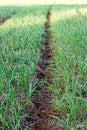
(70, 62)
(5, 12)
(20, 39)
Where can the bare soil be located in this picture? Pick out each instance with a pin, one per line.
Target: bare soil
(41, 114)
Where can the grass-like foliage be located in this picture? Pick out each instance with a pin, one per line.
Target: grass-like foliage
(20, 39)
(70, 62)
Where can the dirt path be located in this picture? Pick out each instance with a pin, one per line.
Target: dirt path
(42, 115)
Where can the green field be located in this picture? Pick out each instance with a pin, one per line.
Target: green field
(20, 42)
(70, 64)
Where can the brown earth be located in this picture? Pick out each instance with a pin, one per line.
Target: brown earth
(40, 113)
(2, 20)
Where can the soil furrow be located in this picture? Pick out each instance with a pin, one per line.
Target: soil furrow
(41, 116)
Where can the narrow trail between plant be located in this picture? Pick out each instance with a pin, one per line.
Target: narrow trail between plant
(42, 114)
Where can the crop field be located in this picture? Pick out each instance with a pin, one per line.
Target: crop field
(70, 64)
(43, 66)
(20, 39)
